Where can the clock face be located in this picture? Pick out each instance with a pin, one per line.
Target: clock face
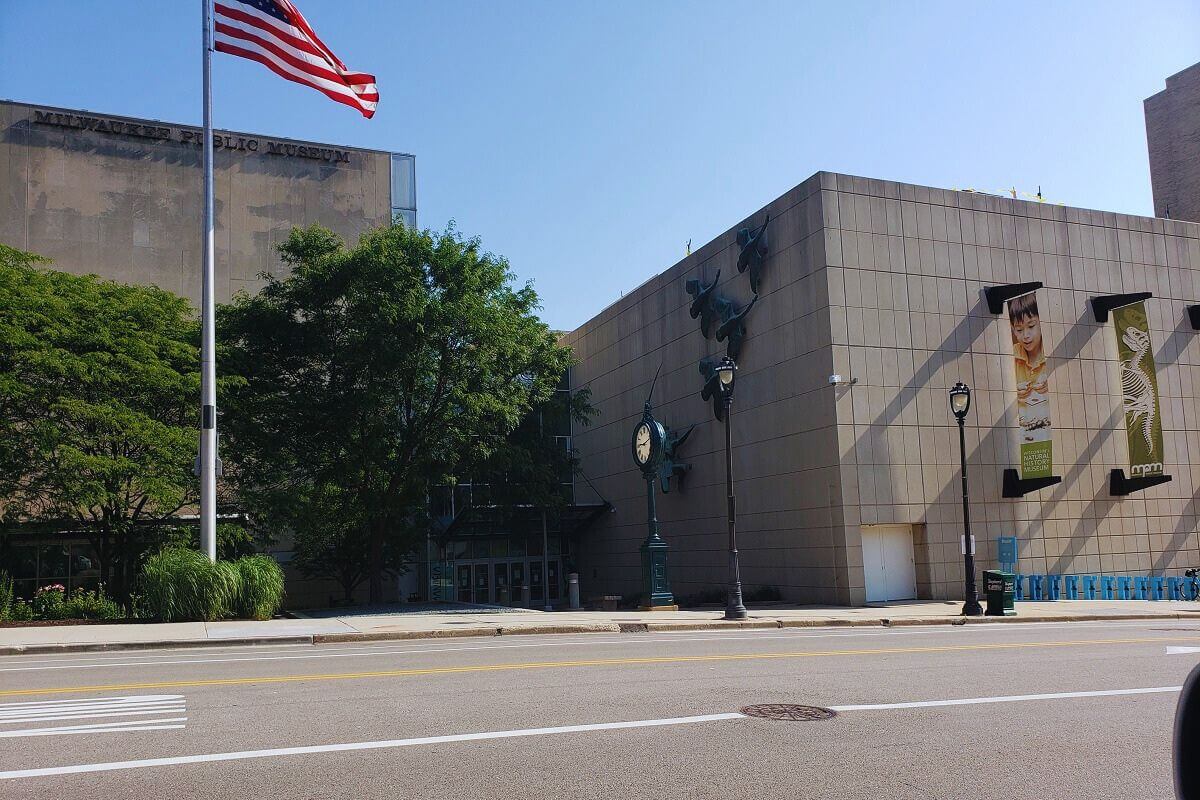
(641, 444)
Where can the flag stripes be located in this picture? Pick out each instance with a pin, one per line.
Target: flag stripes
(276, 35)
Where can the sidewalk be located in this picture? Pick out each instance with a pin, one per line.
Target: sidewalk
(455, 621)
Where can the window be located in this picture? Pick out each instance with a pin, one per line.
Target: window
(404, 188)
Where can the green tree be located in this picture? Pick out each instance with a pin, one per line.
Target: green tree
(371, 374)
(98, 388)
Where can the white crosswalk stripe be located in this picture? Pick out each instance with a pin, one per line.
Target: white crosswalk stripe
(154, 713)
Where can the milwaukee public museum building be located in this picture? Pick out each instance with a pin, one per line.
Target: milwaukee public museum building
(851, 307)
(121, 198)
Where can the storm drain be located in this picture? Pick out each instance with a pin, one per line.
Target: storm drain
(789, 712)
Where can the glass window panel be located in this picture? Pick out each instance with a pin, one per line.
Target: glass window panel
(407, 215)
(404, 181)
(54, 561)
(84, 563)
(516, 546)
(24, 562)
(479, 548)
(24, 589)
(499, 548)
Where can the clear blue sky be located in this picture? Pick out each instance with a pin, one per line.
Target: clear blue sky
(587, 142)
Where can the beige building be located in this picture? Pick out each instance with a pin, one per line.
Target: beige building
(121, 197)
(850, 492)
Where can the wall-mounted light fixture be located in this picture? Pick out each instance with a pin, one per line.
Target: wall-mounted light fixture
(838, 380)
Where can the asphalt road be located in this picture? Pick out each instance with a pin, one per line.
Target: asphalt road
(610, 716)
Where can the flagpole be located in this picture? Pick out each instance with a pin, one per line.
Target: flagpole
(208, 370)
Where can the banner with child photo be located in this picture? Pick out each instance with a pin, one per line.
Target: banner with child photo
(1033, 393)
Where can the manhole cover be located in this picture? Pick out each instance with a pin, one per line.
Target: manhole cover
(788, 711)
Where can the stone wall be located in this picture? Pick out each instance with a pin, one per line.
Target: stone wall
(883, 283)
(1173, 138)
(122, 198)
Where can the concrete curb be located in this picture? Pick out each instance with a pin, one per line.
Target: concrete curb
(164, 644)
(650, 626)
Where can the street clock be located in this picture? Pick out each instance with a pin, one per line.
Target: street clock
(648, 440)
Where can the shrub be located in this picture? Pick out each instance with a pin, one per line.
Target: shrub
(180, 584)
(48, 602)
(261, 592)
(6, 595)
(20, 611)
(91, 605)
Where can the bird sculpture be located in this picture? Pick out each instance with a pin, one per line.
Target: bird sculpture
(754, 244)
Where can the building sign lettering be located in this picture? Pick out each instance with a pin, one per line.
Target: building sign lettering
(221, 141)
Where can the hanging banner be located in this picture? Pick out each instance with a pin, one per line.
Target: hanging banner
(1139, 389)
(1033, 398)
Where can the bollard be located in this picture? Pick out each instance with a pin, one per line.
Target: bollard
(573, 590)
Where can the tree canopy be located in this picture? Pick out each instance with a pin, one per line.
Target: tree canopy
(370, 374)
(98, 388)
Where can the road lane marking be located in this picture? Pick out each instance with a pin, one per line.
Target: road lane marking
(1015, 698)
(598, 662)
(669, 637)
(109, 727)
(1175, 651)
(149, 708)
(90, 701)
(351, 746)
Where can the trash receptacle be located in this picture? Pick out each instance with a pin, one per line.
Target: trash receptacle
(998, 588)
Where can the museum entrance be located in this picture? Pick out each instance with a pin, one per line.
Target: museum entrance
(508, 582)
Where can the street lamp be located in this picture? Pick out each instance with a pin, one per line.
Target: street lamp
(960, 404)
(734, 609)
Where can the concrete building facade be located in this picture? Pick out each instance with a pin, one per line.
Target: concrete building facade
(121, 197)
(883, 284)
(1173, 137)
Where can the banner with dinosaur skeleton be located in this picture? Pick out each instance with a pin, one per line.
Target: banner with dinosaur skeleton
(1033, 394)
(1139, 390)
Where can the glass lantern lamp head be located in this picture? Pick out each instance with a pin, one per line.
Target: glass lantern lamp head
(725, 374)
(960, 399)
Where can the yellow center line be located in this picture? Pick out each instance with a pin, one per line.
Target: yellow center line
(593, 662)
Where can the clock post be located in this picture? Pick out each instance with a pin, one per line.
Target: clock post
(648, 443)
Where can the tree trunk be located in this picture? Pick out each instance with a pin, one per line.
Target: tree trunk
(375, 567)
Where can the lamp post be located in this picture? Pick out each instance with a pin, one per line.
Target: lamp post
(734, 609)
(960, 403)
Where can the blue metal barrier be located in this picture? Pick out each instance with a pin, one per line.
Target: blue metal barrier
(1037, 587)
(1053, 587)
(1018, 587)
(1090, 587)
(1174, 588)
(1124, 587)
(1108, 587)
(1071, 587)
(1141, 587)
(1156, 587)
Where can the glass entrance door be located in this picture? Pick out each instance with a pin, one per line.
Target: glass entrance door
(483, 593)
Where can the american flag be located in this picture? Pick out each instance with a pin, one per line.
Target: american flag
(275, 34)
